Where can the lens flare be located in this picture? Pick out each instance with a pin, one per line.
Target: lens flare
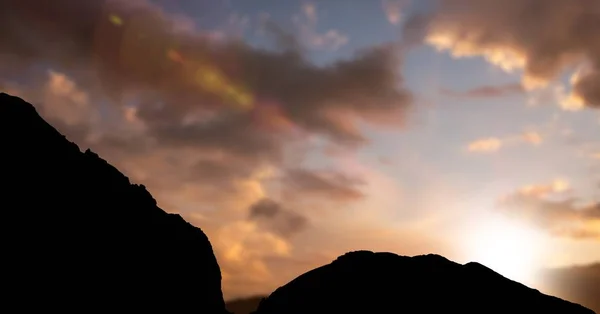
(115, 19)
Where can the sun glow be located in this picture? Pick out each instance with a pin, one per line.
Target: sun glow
(509, 248)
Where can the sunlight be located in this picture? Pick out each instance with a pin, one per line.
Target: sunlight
(509, 248)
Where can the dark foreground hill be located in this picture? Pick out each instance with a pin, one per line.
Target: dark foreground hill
(78, 236)
(367, 282)
(579, 284)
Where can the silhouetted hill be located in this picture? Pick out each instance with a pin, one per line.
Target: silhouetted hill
(367, 282)
(243, 305)
(80, 237)
(578, 284)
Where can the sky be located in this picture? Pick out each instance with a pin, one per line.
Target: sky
(292, 131)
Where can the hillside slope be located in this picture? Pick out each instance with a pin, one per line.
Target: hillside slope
(367, 282)
(80, 236)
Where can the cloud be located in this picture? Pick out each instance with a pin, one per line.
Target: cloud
(243, 248)
(326, 185)
(488, 145)
(62, 102)
(541, 38)
(195, 76)
(533, 138)
(233, 104)
(65, 101)
(495, 144)
(393, 10)
(206, 123)
(282, 221)
(307, 24)
(486, 91)
(552, 208)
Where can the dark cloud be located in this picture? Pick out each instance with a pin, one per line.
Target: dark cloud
(276, 218)
(218, 170)
(265, 208)
(133, 54)
(492, 91)
(561, 215)
(328, 185)
(231, 108)
(543, 37)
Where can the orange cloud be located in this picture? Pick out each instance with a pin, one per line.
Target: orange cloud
(66, 101)
(557, 186)
(494, 144)
(488, 145)
(393, 10)
(552, 208)
(533, 138)
(487, 91)
(538, 38)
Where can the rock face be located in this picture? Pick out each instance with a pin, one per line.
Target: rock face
(80, 236)
(367, 282)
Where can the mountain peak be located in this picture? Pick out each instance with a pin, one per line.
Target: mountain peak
(82, 236)
(369, 282)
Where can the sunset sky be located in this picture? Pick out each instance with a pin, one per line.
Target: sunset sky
(294, 131)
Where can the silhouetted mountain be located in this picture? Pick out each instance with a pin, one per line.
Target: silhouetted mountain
(578, 284)
(367, 282)
(80, 237)
(244, 305)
